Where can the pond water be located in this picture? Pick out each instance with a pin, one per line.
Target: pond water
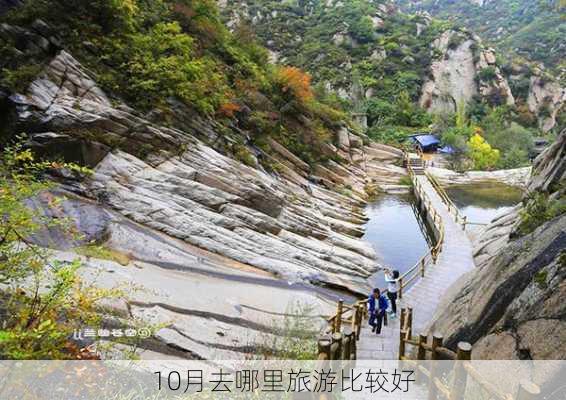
(394, 230)
(397, 233)
(481, 203)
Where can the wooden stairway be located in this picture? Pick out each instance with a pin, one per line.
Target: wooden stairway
(416, 164)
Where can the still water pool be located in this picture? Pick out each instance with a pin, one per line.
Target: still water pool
(395, 232)
(481, 203)
(399, 236)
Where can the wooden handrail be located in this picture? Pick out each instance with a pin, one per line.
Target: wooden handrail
(452, 208)
(463, 369)
(420, 267)
(358, 310)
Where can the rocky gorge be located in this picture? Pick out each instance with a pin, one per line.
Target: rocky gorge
(198, 226)
(355, 50)
(227, 196)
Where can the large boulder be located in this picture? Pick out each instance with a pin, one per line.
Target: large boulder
(550, 167)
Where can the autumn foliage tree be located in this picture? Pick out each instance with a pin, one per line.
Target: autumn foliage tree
(482, 154)
(295, 82)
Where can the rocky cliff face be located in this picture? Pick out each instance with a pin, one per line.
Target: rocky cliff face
(457, 74)
(546, 99)
(200, 227)
(511, 306)
(189, 190)
(532, 30)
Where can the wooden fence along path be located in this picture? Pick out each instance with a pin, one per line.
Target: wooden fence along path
(422, 286)
(460, 373)
(349, 337)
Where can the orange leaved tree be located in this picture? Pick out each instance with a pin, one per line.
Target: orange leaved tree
(295, 82)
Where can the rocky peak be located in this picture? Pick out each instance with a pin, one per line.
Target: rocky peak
(546, 99)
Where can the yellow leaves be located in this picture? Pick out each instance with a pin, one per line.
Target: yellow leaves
(481, 153)
(24, 156)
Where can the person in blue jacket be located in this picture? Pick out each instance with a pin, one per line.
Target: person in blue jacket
(377, 305)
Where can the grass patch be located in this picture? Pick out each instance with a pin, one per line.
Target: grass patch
(540, 279)
(406, 181)
(104, 253)
(294, 338)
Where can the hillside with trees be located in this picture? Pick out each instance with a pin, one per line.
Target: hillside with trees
(409, 72)
(534, 30)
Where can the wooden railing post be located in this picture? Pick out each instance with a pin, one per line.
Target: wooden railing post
(400, 291)
(338, 319)
(410, 323)
(421, 355)
(527, 391)
(336, 346)
(355, 318)
(421, 351)
(353, 346)
(402, 333)
(346, 345)
(324, 349)
(432, 389)
(458, 389)
(360, 312)
(422, 267)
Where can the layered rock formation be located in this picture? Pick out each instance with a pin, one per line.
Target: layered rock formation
(219, 250)
(189, 190)
(511, 306)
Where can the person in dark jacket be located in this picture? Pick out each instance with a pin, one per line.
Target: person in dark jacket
(377, 305)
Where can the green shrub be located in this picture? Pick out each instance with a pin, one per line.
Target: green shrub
(455, 40)
(43, 301)
(487, 74)
(406, 181)
(242, 154)
(162, 63)
(19, 79)
(538, 209)
(541, 279)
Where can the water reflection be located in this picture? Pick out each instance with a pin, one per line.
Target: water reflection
(396, 233)
(482, 203)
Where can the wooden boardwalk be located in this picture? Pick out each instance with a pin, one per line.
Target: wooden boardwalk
(426, 293)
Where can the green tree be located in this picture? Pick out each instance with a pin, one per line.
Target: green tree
(43, 301)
